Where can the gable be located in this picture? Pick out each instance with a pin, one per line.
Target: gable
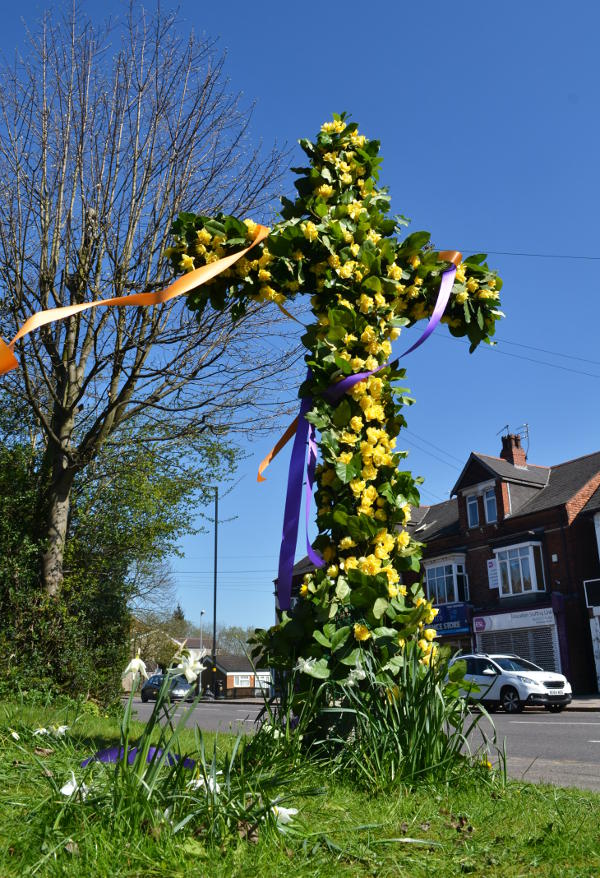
(474, 473)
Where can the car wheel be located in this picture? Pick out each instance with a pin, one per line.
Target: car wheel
(144, 697)
(555, 708)
(511, 701)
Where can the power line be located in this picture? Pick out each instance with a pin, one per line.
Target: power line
(527, 359)
(437, 457)
(546, 351)
(437, 447)
(221, 572)
(532, 255)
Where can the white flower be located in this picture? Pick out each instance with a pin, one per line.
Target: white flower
(355, 675)
(136, 666)
(305, 666)
(14, 735)
(72, 787)
(57, 731)
(267, 727)
(283, 815)
(201, 784)
(192, 668)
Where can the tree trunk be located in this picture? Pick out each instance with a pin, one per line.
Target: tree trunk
(58, 503)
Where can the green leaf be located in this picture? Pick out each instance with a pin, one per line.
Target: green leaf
(320, 638)
(395, 664)
(416, 241)
(348, 471)
(342, 589)
(342, 414)
(317, 419)
(457, 671)
(342, 364)
(352, 658)
(340, 637)
(363, 597)
(385, 632)
(379, 607)
(319, 670)
(372, 283)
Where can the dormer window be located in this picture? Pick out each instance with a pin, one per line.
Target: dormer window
(472, 510)
(491, 511)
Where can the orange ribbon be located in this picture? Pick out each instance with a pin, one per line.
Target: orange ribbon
(453, 256)
(291, 430)
(179, 287)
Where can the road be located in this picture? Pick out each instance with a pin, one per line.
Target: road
(562, 749)
(212, 716)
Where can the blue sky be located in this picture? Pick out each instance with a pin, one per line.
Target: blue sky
(489, 121)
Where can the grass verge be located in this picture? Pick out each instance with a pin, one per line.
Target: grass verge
(487, 828)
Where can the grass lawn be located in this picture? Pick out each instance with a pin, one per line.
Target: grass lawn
(486, 829)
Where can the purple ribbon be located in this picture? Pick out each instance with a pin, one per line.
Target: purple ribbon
(291, 515)
(306, 432)
(115, 754)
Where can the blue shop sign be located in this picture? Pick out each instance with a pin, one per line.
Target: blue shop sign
(452, 619)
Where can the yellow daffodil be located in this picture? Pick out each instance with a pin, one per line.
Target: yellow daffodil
(361, 632)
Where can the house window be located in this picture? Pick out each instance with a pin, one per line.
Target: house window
(521, 569)
(489, 501)
(241, 681)
(447, 583)
(472, 511)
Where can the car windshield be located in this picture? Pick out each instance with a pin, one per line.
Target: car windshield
(155, 680)
(508, 663)
(180, 683)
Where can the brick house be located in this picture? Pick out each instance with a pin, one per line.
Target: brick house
(512, 560)
(235, 676)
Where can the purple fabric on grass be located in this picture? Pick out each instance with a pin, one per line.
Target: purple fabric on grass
(115, 754)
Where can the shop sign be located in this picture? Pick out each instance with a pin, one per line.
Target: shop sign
(452, 619)
(507, 621)
(493, 573)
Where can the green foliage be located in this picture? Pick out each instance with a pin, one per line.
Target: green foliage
(129, 509)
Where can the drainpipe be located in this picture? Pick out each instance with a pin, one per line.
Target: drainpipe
(597, 527)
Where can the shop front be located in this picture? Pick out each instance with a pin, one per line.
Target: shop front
(531, 634)
(453, 627)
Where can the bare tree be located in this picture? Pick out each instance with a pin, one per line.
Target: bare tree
(105, 136)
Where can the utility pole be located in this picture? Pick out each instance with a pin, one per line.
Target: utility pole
(214, 643)
(201, 625)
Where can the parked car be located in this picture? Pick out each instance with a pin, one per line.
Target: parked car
(512, 683)
(179, 688)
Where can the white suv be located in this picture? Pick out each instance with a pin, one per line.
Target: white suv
(513, 682)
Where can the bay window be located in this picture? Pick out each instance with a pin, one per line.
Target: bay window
(521, 569)
(447, 581)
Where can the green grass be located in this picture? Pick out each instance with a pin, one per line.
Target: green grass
(480, 829)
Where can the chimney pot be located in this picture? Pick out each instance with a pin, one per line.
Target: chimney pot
(512, 450)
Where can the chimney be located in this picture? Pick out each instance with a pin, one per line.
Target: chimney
(512, 450)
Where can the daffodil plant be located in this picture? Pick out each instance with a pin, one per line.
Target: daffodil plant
(338, 244)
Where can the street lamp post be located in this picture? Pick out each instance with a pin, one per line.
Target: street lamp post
(201, 624)
(214, 643)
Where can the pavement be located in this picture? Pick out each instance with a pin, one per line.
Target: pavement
(586, 703)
